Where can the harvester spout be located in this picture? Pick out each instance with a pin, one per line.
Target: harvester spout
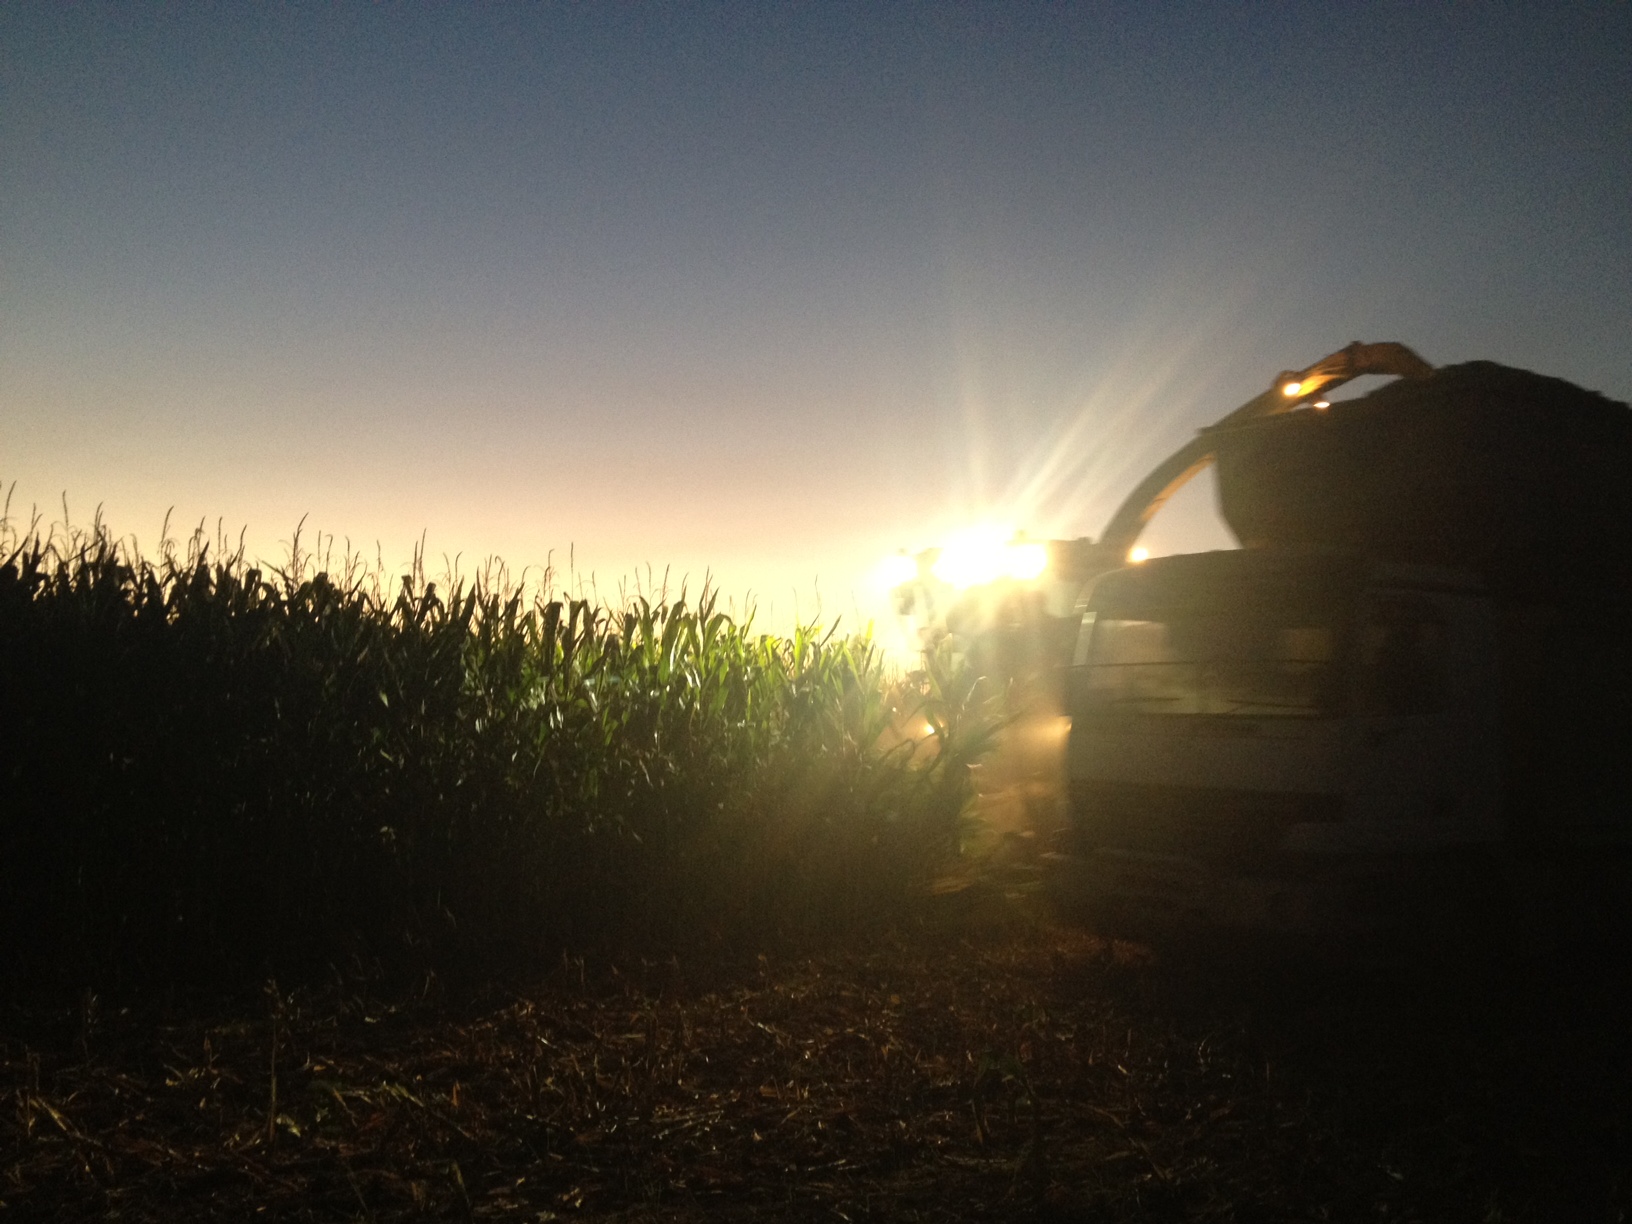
(1291, 389)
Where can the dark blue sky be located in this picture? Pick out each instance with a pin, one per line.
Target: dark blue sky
(770, 289)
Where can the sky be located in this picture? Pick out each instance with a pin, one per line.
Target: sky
(760, 293)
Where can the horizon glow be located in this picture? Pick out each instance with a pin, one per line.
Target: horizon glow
(756, 298)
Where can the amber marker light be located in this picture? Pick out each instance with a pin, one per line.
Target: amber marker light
(1136, 555)
(1291, 389)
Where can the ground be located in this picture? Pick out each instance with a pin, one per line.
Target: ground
(946, 1071)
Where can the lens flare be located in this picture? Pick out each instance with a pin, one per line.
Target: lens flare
(972, 557)
(1027, 561)
(894, 571)
(987, 553)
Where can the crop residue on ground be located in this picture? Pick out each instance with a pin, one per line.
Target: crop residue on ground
(1035, 1074)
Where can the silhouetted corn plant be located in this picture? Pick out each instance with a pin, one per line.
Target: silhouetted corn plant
(211, 768)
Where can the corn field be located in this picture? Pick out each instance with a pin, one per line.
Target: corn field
(213, 771)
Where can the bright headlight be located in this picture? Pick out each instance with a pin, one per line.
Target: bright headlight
(1027, 561)
(895, 571)
(986, 554)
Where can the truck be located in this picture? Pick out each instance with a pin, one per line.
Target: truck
(1408, 695)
